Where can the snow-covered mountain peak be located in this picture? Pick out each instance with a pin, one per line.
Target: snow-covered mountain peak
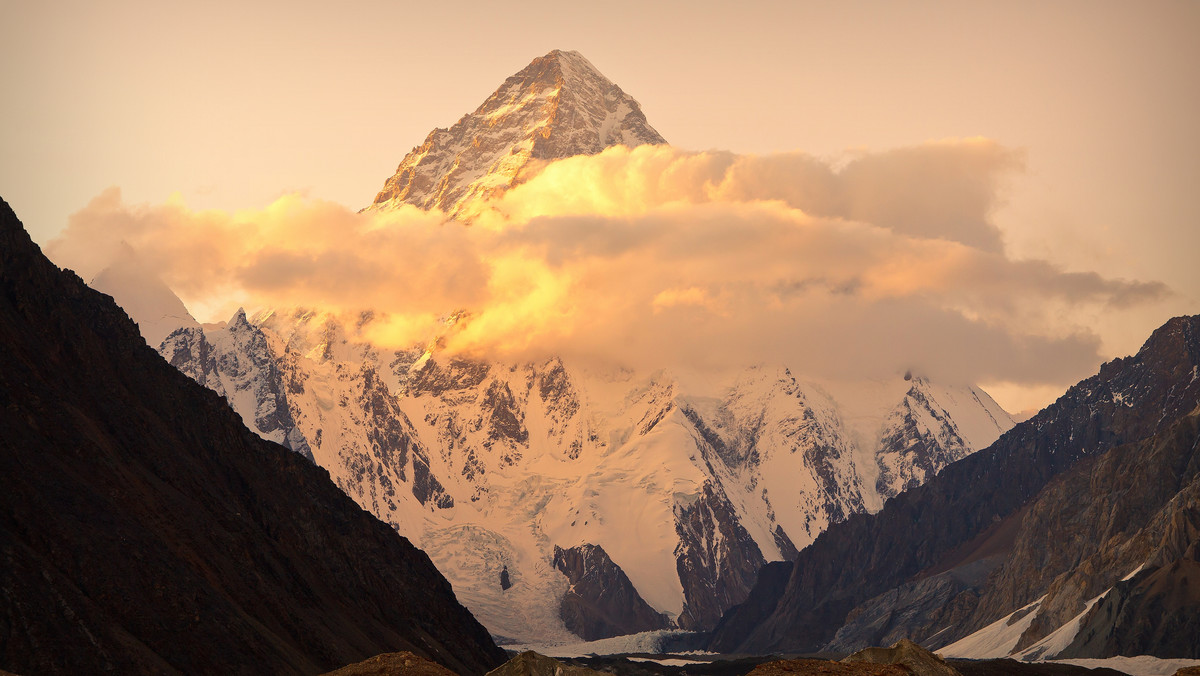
(558, 106)
(239, 320)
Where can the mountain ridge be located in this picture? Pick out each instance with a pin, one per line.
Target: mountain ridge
(757, 466)
(145, 529)
(558, 106)
(1128, 400)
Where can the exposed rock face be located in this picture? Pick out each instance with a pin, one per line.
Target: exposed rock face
(921, 437)
(557, 106)
(1156, 613)
(921, 608)
(1135, 509)
(760, 603)
(1128, 400)
(238, 365)
(601, 601)
(1095, 525)
(144, 529)
(716, 558)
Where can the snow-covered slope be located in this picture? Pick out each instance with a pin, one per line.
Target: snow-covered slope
(557, 106)
(234, 360)
(688, 484)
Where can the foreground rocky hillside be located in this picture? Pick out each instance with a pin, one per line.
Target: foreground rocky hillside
(144, 529)
(978, 541)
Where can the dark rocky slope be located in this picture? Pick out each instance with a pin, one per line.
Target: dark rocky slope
(144, 529)
(1128, 400)
(601, 601)
(1136, 506)
(1157, 613)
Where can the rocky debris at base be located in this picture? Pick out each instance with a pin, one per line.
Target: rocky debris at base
(393, 664)
(530, 663)
(912, 656)
(804, 667)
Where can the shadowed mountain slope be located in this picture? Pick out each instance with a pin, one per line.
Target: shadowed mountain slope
(144, 529)
(1128, 400)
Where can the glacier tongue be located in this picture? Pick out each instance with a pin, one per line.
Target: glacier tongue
(688, 483)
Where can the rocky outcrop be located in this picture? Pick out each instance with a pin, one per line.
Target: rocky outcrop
(557, 106)
(1124, 530)
(822, 667)
(530, 663)
(1156, 613)
(760, 602)
(393, 664)
(145, 529)
(916, 659)
(1093, 526)
(1134, 508)
(924, 608)
(919, 439)
(716, 558)
(601, 601)
(1129, 400)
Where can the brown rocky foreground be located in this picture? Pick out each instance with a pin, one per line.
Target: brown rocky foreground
(394, 664)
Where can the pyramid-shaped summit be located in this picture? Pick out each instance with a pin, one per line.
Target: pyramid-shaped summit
(557, 106)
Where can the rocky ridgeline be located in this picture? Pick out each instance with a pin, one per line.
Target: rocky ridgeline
(145, 529)
(557, 106)
(1007, 525)
(601, 601)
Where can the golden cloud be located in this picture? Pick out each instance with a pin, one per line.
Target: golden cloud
(655, 256)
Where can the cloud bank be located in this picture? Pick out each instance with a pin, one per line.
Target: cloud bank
(658, 257)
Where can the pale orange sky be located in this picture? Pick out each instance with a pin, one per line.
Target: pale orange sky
(233, 105)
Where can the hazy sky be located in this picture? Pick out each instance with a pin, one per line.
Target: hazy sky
(232, 104)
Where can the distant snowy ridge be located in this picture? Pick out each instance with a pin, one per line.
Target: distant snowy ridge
(689, 487)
